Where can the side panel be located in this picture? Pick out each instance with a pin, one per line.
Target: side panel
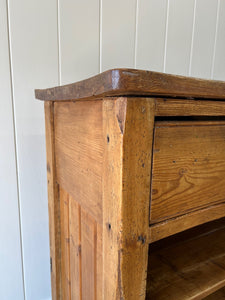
(79, 154)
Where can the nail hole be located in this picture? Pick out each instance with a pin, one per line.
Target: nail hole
(141, 239)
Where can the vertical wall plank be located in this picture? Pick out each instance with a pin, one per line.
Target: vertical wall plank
(33, 40)
(79, 39)
(118, 33)
(204, 37)
(151, 34)
(11, 275)
(219, 65)
(179, 37)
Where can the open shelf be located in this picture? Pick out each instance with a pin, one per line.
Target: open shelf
(218, 295)
(190, 265)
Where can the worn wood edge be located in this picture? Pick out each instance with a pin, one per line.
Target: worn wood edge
(125, 233)
(125, 82)
(184, 107)
(53, 204)
(210, 291)
(184, 222)
(112, 194)
(189, 123)
(137, 158)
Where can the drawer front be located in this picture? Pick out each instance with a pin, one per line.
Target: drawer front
(188, 171)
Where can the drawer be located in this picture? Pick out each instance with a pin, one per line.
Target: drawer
(188, 167)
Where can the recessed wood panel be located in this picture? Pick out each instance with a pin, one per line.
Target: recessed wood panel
(79, 152)
(81, 251)
(188, 168)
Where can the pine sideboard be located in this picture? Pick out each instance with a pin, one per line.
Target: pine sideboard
(136, 187)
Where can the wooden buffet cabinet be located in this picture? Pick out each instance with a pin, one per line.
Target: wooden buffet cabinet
(136, 187)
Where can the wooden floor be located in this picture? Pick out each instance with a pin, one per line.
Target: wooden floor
(189, 269)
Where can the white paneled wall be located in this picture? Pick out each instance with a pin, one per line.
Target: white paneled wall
(179, 37)
(204, 38)
(118, 26)
(79, 39)
(46, 43)
(11, 270)
(151, 34)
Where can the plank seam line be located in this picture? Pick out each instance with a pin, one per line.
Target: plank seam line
(192, 38)
(59, 44)
(166, 35)
(100, 36)
(15, 143)
(136, 33)
(215, 40)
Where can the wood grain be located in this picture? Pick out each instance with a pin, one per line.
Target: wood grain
(81, 251)
(124, 82)
(128, 130)
(53, 204)
(172, 226)
(99, 263)
(75, 248)
(88, 256)
(188, 168)
(65, 244)
(182, 107)
(191, 269)
(79, 153)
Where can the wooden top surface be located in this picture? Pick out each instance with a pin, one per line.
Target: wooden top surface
(124, 82)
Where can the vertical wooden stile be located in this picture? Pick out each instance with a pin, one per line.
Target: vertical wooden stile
(128, 133)
(53, 203)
